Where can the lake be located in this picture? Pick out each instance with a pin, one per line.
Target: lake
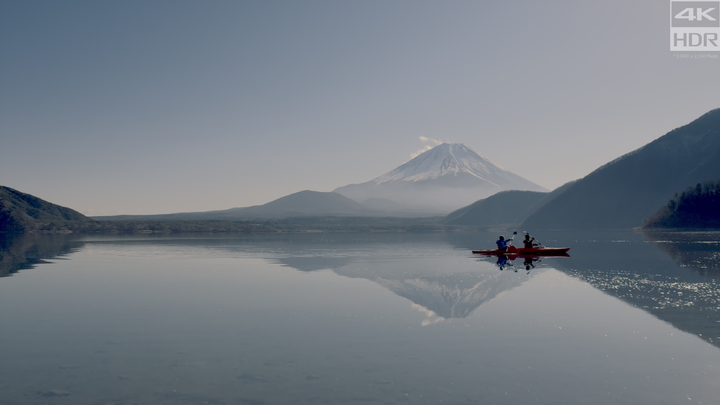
(628, 318)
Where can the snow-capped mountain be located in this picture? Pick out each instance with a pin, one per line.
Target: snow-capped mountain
(443, 160)
(446, 177)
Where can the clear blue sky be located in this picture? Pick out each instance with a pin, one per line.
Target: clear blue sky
(166, 106)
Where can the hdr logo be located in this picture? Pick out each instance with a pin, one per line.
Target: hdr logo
(694, 25)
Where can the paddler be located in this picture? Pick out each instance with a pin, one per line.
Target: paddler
(502, 243)
(528, 243)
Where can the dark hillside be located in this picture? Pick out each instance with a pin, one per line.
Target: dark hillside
(20, 212)
(503, 208)
(622, 193)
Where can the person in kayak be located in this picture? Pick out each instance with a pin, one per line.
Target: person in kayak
(502, 243)
(528, 243)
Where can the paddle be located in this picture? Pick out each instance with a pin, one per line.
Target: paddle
(509, 243)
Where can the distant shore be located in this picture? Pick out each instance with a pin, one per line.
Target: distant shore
(286, 225)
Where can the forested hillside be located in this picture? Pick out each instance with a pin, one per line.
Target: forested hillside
(696, 207)
(21, 212)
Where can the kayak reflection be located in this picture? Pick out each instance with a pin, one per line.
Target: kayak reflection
(529, 261)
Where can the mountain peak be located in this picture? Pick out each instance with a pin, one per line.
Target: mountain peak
(443, 178)
(443, 160)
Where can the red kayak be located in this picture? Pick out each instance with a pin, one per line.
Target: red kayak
(512, 250)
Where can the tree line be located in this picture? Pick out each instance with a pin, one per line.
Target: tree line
(696, 207)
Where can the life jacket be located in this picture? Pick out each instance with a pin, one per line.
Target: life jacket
(501, 244)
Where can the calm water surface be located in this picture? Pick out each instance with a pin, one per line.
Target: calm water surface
(629, 318)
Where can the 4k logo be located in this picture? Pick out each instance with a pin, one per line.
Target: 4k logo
(694, 25)
(689, 14)
(695, 13)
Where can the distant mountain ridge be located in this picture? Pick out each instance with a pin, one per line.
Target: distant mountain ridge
(623, 192)
(306, 203)
(302, 203)
(445, 177)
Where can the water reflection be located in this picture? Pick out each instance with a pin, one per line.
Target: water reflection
(20, 252)
(440, 292)
(673, 276)
(314, 263)
(515, 263)
(266, 319)
(699, 251)
(444, 294)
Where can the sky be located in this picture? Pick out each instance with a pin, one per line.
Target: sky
(145, 107)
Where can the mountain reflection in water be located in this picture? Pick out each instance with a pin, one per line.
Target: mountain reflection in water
(351, 318)
(672, 275)
(444, 294)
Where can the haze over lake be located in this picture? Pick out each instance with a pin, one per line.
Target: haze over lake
(358, 318)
